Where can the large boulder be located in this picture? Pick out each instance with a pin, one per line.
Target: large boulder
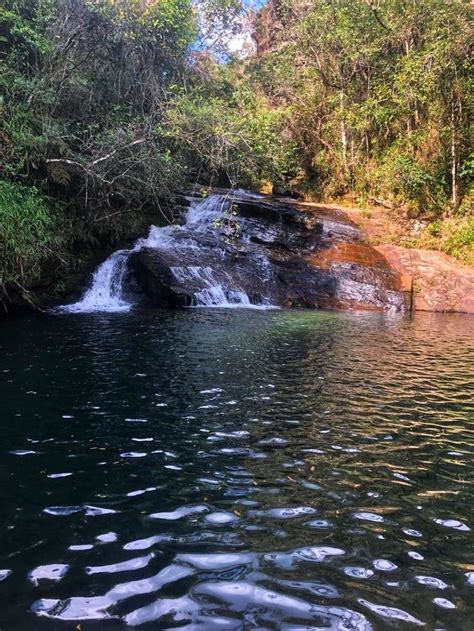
(440, 283)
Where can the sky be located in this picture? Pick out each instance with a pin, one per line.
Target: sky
(239, 42)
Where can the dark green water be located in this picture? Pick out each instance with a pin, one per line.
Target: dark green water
(237, 470)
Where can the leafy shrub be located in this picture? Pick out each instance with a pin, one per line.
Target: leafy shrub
(434, 228)
(402, 177)
(29, 233)
(459, 240)
(452, 235)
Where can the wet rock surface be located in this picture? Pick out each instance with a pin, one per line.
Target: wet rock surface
(276, 252)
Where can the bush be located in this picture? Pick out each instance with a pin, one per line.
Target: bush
(452, 235)
(30, 233)
(410, 183)
(231, 135)
(459, 240)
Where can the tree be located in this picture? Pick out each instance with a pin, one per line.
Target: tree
(379, 92)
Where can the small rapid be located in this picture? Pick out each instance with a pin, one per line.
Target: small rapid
(107, 292)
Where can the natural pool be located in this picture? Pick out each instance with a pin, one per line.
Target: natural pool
(233, 469)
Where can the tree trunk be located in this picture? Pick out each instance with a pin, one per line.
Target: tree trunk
(454, 160)
(343, 134)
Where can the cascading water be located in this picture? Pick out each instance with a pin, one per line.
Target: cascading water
(213, 294)
(106, 293)
(106, 290)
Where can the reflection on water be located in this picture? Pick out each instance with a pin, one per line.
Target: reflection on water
(237, 470)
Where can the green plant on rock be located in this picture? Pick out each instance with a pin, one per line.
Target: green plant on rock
(459, 240)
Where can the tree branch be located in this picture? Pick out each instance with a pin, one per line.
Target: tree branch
(89, 168)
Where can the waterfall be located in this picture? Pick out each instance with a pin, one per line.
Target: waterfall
(213, 294)
(106, 292)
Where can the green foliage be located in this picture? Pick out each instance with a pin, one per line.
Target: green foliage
(434, 228)
(379, 95)
(29, 232)
(229, 134)
(452, 235)
(108, 106)
(402, 177)
(466, 174)
(459, 241)
(169, 22)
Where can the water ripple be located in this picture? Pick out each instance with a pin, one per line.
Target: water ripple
(232, 471)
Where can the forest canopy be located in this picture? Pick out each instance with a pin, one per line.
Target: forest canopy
(109, 107)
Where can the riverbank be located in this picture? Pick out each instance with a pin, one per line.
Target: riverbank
(440, 283)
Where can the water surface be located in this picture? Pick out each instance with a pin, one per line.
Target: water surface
(209, 469)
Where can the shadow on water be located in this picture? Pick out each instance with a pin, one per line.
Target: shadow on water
(213, 469)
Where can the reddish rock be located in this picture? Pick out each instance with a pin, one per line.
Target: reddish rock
(440, 283)
(359, 265)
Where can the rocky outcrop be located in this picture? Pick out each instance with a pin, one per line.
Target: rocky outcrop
(274, 251)
(440, 283)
